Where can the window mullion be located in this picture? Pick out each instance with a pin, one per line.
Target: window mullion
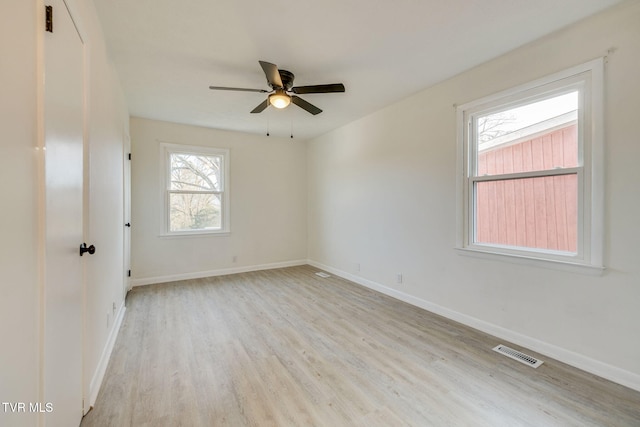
(531, 174)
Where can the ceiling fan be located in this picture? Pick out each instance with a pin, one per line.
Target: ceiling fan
(281, 83)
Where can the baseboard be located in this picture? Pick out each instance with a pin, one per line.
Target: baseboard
(98, 375)
(220, 272)
(612, 373)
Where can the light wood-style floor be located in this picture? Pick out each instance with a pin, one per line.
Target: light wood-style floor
(288, 348)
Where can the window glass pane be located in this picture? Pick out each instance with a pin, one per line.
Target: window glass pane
(190, 211)
(537, 136)
(192, 172)
(536, 213)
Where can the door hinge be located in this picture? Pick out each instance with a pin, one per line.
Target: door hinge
(129, 273)
(49, 18)
(129, 156)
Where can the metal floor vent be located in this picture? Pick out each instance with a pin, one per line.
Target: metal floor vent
(516, 355)
(323, 274)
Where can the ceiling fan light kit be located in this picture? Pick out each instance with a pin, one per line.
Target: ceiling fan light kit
(280, 99)
(281, 83)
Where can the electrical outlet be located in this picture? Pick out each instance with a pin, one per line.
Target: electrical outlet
(114, 308)
(399, 277)
(357, 266)
(235, 258)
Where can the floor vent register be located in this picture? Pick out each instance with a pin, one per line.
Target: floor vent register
(519, 356)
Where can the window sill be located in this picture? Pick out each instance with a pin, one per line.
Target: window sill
(194, 234)
(573, 267)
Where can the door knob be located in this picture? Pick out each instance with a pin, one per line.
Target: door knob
(83, 248)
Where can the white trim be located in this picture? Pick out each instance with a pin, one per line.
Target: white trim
(190, 234)
(592, 66)
(531, 260)
(597, 161)
(101, 369)
(210, 273)
(601, 369)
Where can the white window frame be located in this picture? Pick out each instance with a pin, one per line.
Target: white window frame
(588, 79)
(166, 150)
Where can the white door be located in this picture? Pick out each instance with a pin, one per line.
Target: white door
(63, 276)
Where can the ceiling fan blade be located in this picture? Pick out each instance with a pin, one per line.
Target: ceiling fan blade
(305, 105)
(330, 88)
(272, 73)
(242, 89)
(260, 108)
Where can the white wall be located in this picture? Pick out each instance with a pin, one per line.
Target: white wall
(382, 193)
(20, 311)
(268, 205)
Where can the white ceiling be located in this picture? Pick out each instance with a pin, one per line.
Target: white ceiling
(168, 52)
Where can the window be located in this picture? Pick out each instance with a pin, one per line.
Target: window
(530, 171)
(196, 196)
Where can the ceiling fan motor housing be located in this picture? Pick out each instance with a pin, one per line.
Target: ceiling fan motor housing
(287, 79)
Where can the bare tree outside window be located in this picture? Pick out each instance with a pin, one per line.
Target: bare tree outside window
(195, 194)
(493, 126)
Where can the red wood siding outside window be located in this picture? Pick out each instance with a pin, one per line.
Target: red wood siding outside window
(538, 212)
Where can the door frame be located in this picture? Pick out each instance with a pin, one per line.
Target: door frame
(126, 217)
